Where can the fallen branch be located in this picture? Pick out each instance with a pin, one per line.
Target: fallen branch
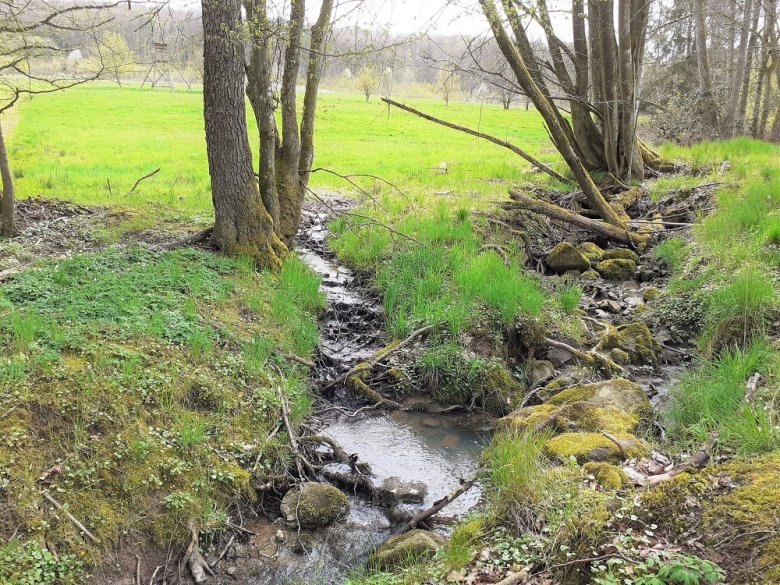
(300, 360)
(137, 570)
(70, 517)
(465, 485)
(498, 250)
(520, 234)
(146, 176)
(300, 460)
(518, 151)
(379, 356)
(188, 240)
(521, 201)
(591, 358)
(224, 551)
(156, 570)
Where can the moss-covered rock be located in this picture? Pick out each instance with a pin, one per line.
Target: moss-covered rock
(579, 416)
(737, 508)
(619, 356)
(500, 390)
(407, 548)
(609, 476)
(540, 370)
(618, 394)
(650, 294)
(620, 253)
(565, 257)
(635, 339)
(314, 505)
(590, 275)
(591, 251)
(586, 447)
(616, 269)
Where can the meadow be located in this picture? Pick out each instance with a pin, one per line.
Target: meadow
(91, 144)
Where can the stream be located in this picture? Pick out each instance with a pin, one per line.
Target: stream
(436, 450)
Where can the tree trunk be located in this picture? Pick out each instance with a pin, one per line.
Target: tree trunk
(559, 130)
(242, 225)
(7, 210)
(703, 65)
(741, 118)
(738, 86)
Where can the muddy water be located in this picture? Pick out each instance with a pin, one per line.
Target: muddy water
(435, 450)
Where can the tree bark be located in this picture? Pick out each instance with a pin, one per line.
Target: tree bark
(738, 86)
(703, 64)
(242, 224)
(559, 130)
(7, 210)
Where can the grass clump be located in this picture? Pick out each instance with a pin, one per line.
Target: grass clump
(712, 397)
(672, 252)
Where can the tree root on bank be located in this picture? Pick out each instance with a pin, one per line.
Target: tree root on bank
(362, 389)
(589, 358)
(188, 240)
(194, 560)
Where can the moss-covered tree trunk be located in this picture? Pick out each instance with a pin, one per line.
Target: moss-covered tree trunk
(242, 224)
(8, 208)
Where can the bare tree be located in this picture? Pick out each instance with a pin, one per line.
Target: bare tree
(447, 84)
(367, 80)
(32, 31)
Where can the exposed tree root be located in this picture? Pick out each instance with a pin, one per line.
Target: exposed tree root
(362, 389)
(194, 560)
(588, 358)
(188, 240)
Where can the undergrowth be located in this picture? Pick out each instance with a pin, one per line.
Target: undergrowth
(136, 388)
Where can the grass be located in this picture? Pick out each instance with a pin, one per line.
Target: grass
(144, 376)
(90, 144)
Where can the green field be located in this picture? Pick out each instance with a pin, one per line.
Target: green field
(75, 144)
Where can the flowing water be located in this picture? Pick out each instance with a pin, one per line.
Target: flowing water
(433, 449)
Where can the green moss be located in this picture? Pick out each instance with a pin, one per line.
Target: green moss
(609, 476)
(314, 505)
(620, 253)
(565, 257)
(407, 548)
(591, 251)
(590, 275)
(616, 269)
(619, 356)
(527, 418)
(501, 391)
(591, 447)
(635, 339)
(588, 418)
(650, 294)
(619, 394)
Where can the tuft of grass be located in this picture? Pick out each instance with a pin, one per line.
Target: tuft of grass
(672, 252)
(711, 397)
(568, 298)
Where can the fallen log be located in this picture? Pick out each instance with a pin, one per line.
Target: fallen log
(465, 485)
(602, 228)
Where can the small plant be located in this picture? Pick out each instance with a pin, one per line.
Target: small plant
(569, 298)
(32, 564)
(687, 570)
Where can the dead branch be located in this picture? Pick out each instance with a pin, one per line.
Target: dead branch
(380, 356)
(188, 240)
(300, 360)
(465, 485)
(521, 201)
(300, 461)
(156, 570)
(224, 551)
(591, 357)
(70, 517)
(146, 176)
(520, 152)
(520, 234)
(498, 250)
(137, 570)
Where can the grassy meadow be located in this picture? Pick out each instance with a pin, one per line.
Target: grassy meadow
(91, 144)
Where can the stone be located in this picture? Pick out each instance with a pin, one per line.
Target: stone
(280, 536)
(586, 447)
(394, 490)
(618, 393)
(558, 357)
(565, 257)
(650, 294)
(231, 571)
(591, 251)
(409, 547)
(647, 275)
(590, 275)
(540, 370)
(635, 339)
(609, 476)
(620, 253)
(609, 306)
(314, 505)
(616, 269)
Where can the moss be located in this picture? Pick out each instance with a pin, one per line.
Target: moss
(619, 356)
(588, 418)
(407, 548)
(501, 392)
(650, 294)
(609, 476)
(582, 446)
(591, 251)
(616, 269)
(620, 253)
(617, 394)
(314, 505)
(590, 275)
(565, 257)
(634, 338)
(528, 418)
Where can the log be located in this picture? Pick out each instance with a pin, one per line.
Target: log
(602, 228)
(518, 151)
(465, 485)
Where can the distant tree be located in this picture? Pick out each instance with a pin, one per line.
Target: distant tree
(114, 56)
(33, 31)
(448, 84)
(367, 80)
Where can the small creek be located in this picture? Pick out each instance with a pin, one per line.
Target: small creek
(436, 450)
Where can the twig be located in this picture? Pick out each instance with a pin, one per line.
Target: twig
(300, 360)
(70, 517)
(137, 570)
(224, 551)
(199, 568)
(465, 485)
(9, 411)
(156, 570)
(241, 529)
(498, 249)
(146, 176)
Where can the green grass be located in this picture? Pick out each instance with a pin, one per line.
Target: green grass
(145, 374)
(74, 144)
